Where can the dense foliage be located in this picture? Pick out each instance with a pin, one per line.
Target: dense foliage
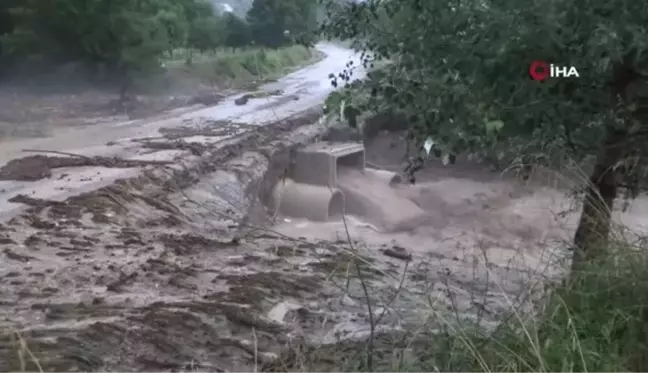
(279, 22)
(460, 70)
(238, 32)
(206, 30)
(126, 37)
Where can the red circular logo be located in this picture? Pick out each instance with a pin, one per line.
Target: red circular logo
(539, 70)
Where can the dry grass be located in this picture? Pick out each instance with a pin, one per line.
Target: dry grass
(21, 358)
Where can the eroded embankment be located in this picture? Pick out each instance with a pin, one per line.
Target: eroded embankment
(143, 275)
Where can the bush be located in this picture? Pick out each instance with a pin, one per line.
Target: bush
(596, 322)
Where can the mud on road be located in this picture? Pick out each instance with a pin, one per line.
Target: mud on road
(90, 281)
(148, 247)
(137, 275)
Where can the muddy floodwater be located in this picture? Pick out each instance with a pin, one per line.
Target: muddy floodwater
(92, 287)
(140, 246)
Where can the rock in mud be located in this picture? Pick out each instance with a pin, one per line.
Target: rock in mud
(27, 169)
(243, 99)
(398, 253)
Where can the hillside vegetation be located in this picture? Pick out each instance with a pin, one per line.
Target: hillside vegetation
(125, 41)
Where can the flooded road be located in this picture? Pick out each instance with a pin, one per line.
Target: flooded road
(109, 262)
(291, 95)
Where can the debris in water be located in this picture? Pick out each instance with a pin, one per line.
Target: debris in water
(243, 99)
(18, 257)
(123, 280)
(37, 167)
(398, 253)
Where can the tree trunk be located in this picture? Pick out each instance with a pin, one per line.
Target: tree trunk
(125, 90)
(595, 220)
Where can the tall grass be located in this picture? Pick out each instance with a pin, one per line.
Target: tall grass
(239, 67)
(597, 322)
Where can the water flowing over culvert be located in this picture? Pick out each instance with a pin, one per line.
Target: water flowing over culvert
(372, 198)
(336, 205)
(330, 178)
(465, 241)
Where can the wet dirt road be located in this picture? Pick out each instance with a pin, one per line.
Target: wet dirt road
(108, 264)
(151, 139)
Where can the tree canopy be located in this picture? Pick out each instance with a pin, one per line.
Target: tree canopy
(279, 22)
(206, 29)
(127, 37)
(460, 70)
(238, 32)
(119, 33)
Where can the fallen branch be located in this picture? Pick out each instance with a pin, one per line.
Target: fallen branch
(37, 167)
(55, 152)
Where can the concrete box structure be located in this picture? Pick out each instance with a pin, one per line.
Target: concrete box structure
(318, 163)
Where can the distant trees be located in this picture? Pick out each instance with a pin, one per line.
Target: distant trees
(238, 32)
(125, 38)
(121, 34)
(206, 29)
(6, 27)
(275, 23)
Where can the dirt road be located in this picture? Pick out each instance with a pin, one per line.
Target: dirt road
(291, 95)
(60, 212)
(150, 279)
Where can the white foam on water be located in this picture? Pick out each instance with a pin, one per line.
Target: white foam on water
(377, 202)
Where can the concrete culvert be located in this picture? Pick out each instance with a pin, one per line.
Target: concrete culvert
(388, 177)
(317, 203)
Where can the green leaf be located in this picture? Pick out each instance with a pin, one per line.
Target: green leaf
(446, 159)
(494, 126)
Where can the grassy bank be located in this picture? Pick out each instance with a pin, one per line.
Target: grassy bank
(598, 322)
(241, 68)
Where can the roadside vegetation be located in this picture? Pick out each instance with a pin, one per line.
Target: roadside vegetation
(239, 68)
(459, 73)
(125, 43)
(594, 323)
